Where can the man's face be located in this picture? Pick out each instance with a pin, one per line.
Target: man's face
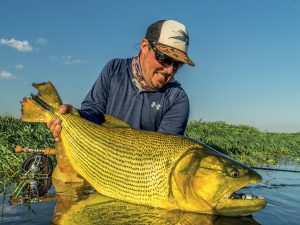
(156, 75)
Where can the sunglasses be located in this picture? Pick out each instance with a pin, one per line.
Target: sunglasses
(165, 60)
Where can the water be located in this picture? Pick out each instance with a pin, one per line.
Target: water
(281, 190)
(75, 205)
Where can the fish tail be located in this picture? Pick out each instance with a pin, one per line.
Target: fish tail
(41, 107)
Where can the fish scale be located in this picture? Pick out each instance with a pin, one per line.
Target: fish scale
(142, 177)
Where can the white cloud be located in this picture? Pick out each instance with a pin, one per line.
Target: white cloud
(6, 75)
(42, 41)
(22, 46)
(19, 66)
(68, 60)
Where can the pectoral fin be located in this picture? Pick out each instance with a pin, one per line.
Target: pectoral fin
(114, 122)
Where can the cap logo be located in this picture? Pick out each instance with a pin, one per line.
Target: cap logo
(181, 36)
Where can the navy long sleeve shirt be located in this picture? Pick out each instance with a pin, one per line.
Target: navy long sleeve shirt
(117, 93)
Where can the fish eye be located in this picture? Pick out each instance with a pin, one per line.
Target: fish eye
(234, 173)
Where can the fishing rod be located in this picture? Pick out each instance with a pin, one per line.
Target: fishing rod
(49, 151)
(45, 151)
(274, 169)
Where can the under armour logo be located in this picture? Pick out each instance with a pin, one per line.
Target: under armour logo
(156, 106)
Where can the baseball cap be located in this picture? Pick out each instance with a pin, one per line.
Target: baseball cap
(171, 38)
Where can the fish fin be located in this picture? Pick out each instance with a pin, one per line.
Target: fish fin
(36, 109)
(75, 112)
(32, 112)
(48, 94)
(113, 122)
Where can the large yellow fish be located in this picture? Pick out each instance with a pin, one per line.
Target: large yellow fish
(148, 168)
(98, 209)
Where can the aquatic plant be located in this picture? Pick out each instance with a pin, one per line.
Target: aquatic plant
(12, 132)
(247, 144)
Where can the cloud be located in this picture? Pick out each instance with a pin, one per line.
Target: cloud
(6, 75)
(22, 46)
(42, 41)
(19, 66)
(68, 60)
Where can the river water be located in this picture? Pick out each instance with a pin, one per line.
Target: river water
(75, 205)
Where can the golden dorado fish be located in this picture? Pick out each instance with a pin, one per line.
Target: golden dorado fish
(98, 209)
(144, 167)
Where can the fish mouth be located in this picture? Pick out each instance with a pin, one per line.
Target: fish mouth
(236, 203)
(244, 196)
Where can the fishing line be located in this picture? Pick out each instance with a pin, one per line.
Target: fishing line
(274, 169)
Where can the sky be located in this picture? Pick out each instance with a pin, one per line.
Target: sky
(247, 53)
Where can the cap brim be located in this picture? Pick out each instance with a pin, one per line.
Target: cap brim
(174, 53)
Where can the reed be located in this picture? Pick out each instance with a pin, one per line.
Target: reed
(12, 132)
(247, 144)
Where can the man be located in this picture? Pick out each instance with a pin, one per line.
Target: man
(142, 90)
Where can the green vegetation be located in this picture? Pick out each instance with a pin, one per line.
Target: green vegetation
(15, 132)
(243, 143)
(247, 144)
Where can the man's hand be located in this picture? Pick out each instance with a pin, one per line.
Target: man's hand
(55, 124)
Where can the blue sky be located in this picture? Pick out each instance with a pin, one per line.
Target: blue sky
(247, 53)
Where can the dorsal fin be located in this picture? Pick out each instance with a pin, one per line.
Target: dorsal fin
(114, 122)
(48, 94)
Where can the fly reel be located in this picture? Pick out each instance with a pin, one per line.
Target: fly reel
(37, 169)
